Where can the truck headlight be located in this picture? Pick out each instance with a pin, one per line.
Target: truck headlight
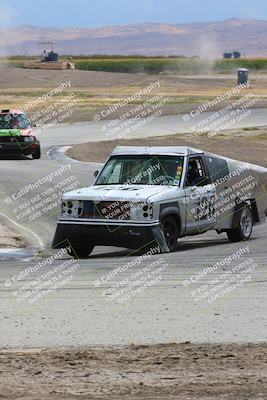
(71, 208)
(141, 211)
(148, 210)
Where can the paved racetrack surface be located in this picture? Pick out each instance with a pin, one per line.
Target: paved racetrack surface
(85, 310)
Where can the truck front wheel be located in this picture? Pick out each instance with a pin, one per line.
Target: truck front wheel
(80, 251)
(171, 232)
(244, 226)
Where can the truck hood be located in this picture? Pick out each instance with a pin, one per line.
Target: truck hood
(132, 193)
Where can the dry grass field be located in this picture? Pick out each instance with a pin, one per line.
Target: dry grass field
(97, 90)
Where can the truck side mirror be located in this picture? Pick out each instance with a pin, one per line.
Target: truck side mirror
(96, 173)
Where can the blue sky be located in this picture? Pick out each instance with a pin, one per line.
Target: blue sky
(94, 13)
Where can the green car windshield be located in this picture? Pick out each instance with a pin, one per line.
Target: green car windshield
(142, 170)
(14, 121)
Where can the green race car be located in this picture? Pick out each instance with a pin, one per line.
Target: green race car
(17, 136)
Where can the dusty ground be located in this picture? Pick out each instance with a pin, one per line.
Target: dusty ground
(10, 239)
(247, 145)
(94, 91)
(172, 371)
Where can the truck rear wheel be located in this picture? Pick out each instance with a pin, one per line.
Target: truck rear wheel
(80, 251)
(244, 226)
(171, 232)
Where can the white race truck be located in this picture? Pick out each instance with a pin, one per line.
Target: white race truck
(154, 195)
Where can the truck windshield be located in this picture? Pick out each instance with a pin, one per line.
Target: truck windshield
(142, 170)
(14, 121)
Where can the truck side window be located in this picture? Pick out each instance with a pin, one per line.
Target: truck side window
(196, 173)
(218, 167)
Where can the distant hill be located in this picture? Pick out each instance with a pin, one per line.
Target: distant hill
(209, 39)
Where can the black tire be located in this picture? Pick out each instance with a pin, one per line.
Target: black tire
(171, 232)
(37, 154)
(244, 226)
(80, 251)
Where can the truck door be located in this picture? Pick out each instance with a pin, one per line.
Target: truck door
(200, 196)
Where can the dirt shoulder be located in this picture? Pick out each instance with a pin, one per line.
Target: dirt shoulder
(169, 371)
(249, 146)
(9, 239)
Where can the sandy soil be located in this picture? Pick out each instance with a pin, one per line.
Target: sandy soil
(172, 371)
(249, 146)
(10, 239)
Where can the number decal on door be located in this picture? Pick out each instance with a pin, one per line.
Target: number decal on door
(205, 208)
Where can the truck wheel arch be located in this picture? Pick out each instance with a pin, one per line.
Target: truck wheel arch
(254, 209)
(171, 211)
(239, 205)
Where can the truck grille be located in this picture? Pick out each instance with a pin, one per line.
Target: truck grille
(108, 210)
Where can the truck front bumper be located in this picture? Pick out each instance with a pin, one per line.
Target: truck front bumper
(133, 236)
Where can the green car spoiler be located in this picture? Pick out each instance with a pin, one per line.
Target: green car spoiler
(9, 132)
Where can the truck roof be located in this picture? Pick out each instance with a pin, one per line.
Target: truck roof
(155, 150)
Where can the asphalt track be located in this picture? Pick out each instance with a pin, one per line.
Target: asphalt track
(81, 312)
